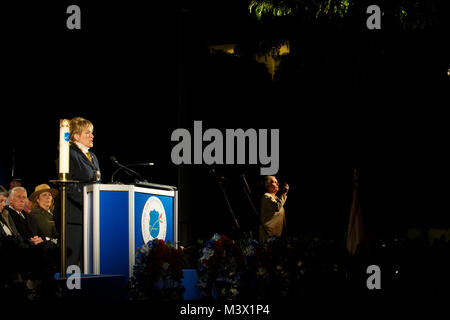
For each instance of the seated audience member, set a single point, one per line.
(7, 227)
(4, 228)
(41, 256)
(15, 182)
(3, 196)
(42, 201)
(28, 204)
(25, 224)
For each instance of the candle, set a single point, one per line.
(64, 151)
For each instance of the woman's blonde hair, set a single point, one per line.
(77, 125)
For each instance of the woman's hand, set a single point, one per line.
(285, 188)
(36, 240)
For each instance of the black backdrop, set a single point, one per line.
(356, 98)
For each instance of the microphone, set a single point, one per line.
(113, 159)
(141, 164)
(129, 171)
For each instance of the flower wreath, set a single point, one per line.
(157, 272)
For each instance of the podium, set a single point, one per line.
(119, 219)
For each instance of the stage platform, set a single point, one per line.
(115, 287)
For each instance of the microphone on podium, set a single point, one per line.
(114, 160)
(141, 164)
(129, 171)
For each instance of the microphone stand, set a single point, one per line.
(236, 226)
(128, 170)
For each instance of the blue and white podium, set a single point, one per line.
(118, 219)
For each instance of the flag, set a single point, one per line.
(355, 232)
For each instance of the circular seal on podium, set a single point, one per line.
(153, 220)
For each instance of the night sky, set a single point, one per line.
(343, 99)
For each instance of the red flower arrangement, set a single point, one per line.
(157, 272)
(220, 268)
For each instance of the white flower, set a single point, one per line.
(234, 292)
(207, 253)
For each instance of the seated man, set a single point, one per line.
(5, 220)
(7, 226)
(26, 226)
(40, 257)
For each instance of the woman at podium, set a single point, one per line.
(84, 167)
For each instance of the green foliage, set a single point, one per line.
(314, 8)
(418, 14)
(406, 14)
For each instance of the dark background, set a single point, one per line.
(344, 97)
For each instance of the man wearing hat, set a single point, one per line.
(42, 203)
